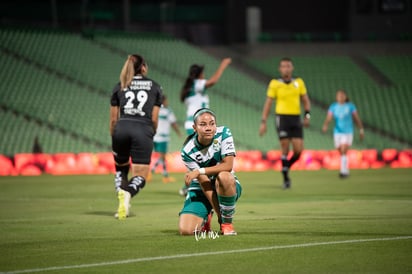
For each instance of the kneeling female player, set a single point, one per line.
(209, 156)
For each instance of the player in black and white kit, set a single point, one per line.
(134, 112)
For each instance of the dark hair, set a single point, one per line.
(344, 91)
(194, 73)
(201, 111)
(188, 138)
(286, 59)
(138, 63)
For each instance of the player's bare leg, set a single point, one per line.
(189, 223)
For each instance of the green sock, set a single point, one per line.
(227, 207)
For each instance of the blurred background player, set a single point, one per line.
(194, 94)
(288, 91)
(209, 155)
(134, 111)
(161, 140)
(344, 113)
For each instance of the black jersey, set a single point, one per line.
(136, 102)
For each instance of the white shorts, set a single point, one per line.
(343, 139)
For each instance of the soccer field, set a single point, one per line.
(65, 224)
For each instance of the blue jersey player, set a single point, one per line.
(344, 113)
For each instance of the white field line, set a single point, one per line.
(223, 252)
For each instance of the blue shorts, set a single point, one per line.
(197, 204)
(160, 147)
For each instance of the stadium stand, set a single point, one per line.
(57, 87)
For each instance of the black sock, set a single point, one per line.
(135, 185)
(293, 159)
(124, 171)
(285, 167)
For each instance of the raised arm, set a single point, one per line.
(218, 73)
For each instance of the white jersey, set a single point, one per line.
(195, 155)
(195, 100)
(166, 119)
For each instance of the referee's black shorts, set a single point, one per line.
(132, 139)
(289, 126)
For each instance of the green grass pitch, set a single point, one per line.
(65, 225)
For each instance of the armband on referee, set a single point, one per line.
(307, 114)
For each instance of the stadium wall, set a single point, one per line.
(29, 164)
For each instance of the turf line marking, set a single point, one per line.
(179, 256)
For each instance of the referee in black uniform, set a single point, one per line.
(134, 111)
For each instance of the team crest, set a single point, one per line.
(216, 145)
(296, 84)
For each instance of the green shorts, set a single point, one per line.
(197, 204)
(160, 147)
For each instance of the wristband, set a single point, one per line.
(263, 121)
(307, 114)
(361, 131)
(202, 171)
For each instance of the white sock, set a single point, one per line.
(344, 167)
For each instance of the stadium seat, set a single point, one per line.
(370, 155)
(389, 154)
(30, 170)
(174, 162)
(105, 159)
(313, 165)
(86, 163)
(65, 164)
(404, 159)
(331, 161)
(23, 159)
(273, 155)
(243, 163)
(261, 165)
(377, 165)
(6, 166)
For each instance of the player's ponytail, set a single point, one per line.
(194, 73)
(131, 67)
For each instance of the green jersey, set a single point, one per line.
(195, 155)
